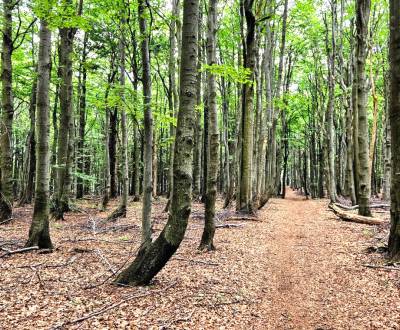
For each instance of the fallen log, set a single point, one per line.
(355, 207)
(347, 216)
(230, 225)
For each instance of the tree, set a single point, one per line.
(363, 8)
(152, 258)
(213, 135)
(39, 234)
(65, 139)
(244, 200)
(7, 115)
(394, 113)
(148, 126)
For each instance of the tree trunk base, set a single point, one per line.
(5, 211)
(120, 212)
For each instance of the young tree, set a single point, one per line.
(213, 135)
(394, 113)
(152, 258)
(39, 234)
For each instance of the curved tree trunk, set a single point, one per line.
(152, 258)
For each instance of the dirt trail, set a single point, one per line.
(315, 273)
(299, 267)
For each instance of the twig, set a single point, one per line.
(230, 225)
(109, 307)
(9, 252)
(5, 221)
(105, 261)
(196, 261)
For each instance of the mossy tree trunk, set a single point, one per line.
(152, 258)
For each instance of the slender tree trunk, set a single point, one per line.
(30, 159)
(122, 207)
(39, 234)
(66, 126)
(394, 113)
(7, 116)
(387, 165)
(152, 258)
(82, 121)
(148, 126)
(207, 240)
(362, 19)
(173, 94)
(244, 201)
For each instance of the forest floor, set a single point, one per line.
(296, 267)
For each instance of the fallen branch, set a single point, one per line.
(230, 225)
(196, 261)
(109, 307)
(382, 267)
(355, 207)
(6, 221)
(9, 252)
(347, 216)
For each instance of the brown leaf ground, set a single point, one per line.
(297, 268)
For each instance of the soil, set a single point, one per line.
(297, 267)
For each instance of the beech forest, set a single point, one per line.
(200, 164)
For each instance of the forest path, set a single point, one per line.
(298, 267)
(316, 279)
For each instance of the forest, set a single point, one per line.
(187, 164)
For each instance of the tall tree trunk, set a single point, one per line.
(362, 19)
(394, 113)
(82, 120)
(152, 258)
(148, 126)
(120, 211)
(207, 239)
(387, 165)
(30, 158)
(329, 121)
(244, 201)
(66, 127)
(7, 116)
(173, 93)
(39, 234)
